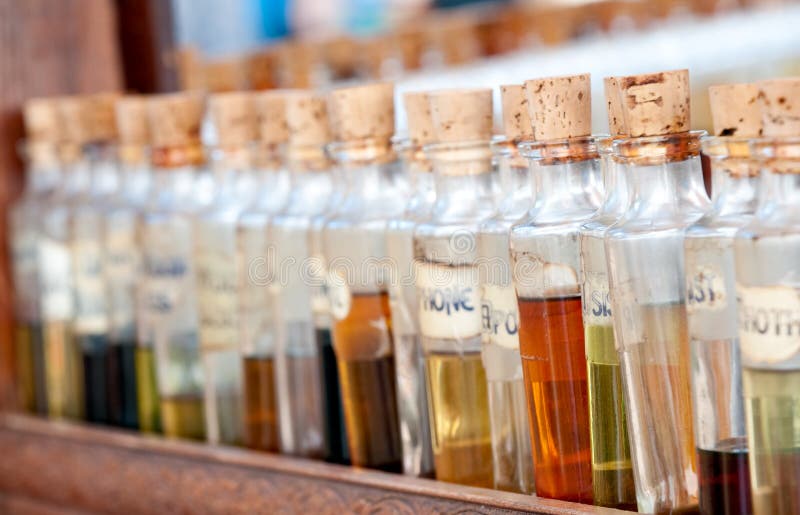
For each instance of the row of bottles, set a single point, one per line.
(547, 311)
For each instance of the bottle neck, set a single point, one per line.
(615, 186)
(561, 187)
(734, 194)
(104, 175)
(309, 191)
(42, 178)
(515, 191)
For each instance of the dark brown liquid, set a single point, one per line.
(336, 450)
(260, 404)
(122, 402)
(94, 349)
(724, 478)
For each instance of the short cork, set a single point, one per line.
(362, 112)
(560, 107)
(41, 120)
(174, 119)
(735, 110)
(516, 119)
(101, 116)
(307, 119)
(616, 121)
(461, 115)
(418, 114)
(233, 116)
(655, 104)
(780, 107)
(131, 115)
(73, 120)
(271, 112)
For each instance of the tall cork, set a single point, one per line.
(74, 124)
(735, 110)
(233, 116)
(41, 120)
(418, 113)
(461, 115)
(780, 107)
(132, 124)
(307, 119)
(175, 119)
(560, 107)
(362, 112)
(616, 119)
(101, 116)
(516, 119)
(655, 104)
(270, 109)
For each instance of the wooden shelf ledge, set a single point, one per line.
(58, 467)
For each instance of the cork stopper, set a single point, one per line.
(307, 119)
(656, 104)
(175, 119)
(780, 107)
(460, 115)
(271, 112)
(616, 121)
(233, 117)
(735, 110)
(418, 112)
(101, 116)
(516, 120)
(73, 120)
(132, 125)
(41, 120)
(560, 107)
(362, 112)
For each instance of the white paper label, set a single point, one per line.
(769, 323)
(217, 301)
(90, 299)
(339, 296)
(499, 313)
(121, 268)
(596, 299)
(705, 289)
(55, 267)
(449, 301)
(320, 305)
(168, 305)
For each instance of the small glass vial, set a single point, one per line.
(255, 257)
(661, 161)
(711, 307)
(546, 259)
(215, 252)
(122, 266)
(43, 175)
(767, 251)
(168, 325)
(297, 360)
(412, 396)
(511, 442)
(448, 289)
(612, 469)
(354, 244)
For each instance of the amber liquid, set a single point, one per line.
(182, 416)
(459, 405)
(554, 369)
(368, 383)
(336, 450)
(260, 404)
(121, 372)
(63, 371)
(29, 341)
(94, 349)
(147, 399)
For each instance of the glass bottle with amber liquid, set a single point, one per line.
(354, 245)
(511, 443)
(612, 469)
(167, 338)
(40, 151)
(711, 307)
(255, 274)
(661, 160)
(412, 396)
(546, 266)
(448, 289)
(767, 251)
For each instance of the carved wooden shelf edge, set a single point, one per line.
(51, 467)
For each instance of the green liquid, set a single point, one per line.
(147, 391)
(612, 472)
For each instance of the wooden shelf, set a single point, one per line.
(58, 467)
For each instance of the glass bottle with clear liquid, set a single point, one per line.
(412, 396)
(354, 245)
(43, 176)
(255, 274)
(167, 339)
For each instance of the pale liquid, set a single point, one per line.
(64, 372)
(222, 396)
(511, 443)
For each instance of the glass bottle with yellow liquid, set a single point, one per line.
(254, 276)
(767, 251)
(661, 161)
(354, 245)
(448, 288)
(167, 339)
(511, 443)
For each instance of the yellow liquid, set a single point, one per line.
(64, 372)
(182, 416)
(459, 406)
(147, 391)
(30, 367)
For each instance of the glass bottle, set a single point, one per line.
(122, 266)
(645, 262)
(43, 175)
(545, 255)
(255, 257)
(766, 255)
(448, 289)
(511, 443)
(711, 308)
(167, 340)
(215, 252)
(297, 360)
(612, 470)
(354, 244)
(412, 396)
